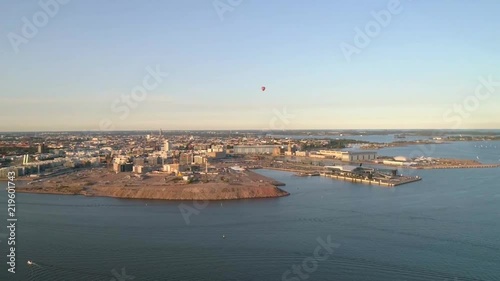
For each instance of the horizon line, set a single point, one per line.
(290, 130)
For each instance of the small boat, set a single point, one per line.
(30, 262)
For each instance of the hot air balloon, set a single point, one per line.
(263, 88)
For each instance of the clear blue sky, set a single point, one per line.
(91, 52)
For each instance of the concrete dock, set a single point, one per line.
(380, 182)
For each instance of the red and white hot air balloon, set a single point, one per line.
(263, 88)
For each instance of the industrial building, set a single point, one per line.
(350, 156)
(256, 149)
(358, 155)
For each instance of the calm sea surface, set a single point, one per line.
(445, 227)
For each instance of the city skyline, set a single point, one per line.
(205, 64)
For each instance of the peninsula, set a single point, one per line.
(228, 184)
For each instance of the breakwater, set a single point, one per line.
(478, 166)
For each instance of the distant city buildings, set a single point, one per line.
(150, 152)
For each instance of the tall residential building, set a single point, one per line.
(167, 146)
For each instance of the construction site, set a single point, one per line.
(215, 183)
